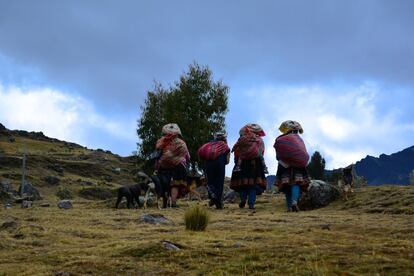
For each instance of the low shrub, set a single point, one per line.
(64, 193)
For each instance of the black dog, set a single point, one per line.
(159, 185)
(161, 188)
(132, 193)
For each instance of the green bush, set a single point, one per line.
(196, 219)
(64, 193)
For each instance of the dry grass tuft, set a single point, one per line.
(196, 218)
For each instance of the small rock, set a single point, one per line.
(27, 203)
(65, 204)
(155, 219)
(117, 170)
(9, 225)
(237, 245)
(45, 204)
(52, 180)
(62, 273)
(325, 226)
(12, 139)
(7, 206)
(170, 246)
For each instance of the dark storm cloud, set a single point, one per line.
(111, 51)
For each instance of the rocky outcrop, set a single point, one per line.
(319, 194)
(30, 191)
(6, 192)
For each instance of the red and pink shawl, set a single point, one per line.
(174, 151)
(291, 149)
(212, 150)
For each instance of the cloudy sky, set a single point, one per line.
(79, 70)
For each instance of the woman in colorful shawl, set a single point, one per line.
(173, 160)
(216, 155)
(292, 177)
(249, 180)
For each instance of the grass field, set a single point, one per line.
(342, 239)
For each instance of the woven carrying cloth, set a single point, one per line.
(212, 150)
(174, 151)
(291, 149)
(250, 146)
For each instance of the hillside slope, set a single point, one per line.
(52, 163)
(91, 238)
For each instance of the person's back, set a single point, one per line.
(173, 160)
(214, 168)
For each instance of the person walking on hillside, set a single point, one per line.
(173, 160)
(216, 154)
(292, 177)
(248, 177)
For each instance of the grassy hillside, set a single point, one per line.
(371, 234)
(94, 239)
(75, 166)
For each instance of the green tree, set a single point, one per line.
(196, 102)
(316, 167)
(412, 177)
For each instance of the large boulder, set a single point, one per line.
(202, 190)
(6, 192)
(30, 191)
(6, 186)
(231, 196)
(319, 194)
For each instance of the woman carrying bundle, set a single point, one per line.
(173, 160)
(248, 177)
(216, 155)
(292, 177)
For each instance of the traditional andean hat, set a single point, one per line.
(290, 125)
(171, 129)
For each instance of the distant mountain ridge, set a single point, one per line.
(387, 169)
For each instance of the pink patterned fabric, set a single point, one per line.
(212, 150)
(249, 146)
(291, 149)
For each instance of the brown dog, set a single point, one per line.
(346, 182)
(193, 182)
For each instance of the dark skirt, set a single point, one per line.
(179, 178)
(251, 175)
(286, 177)
(215, 171)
